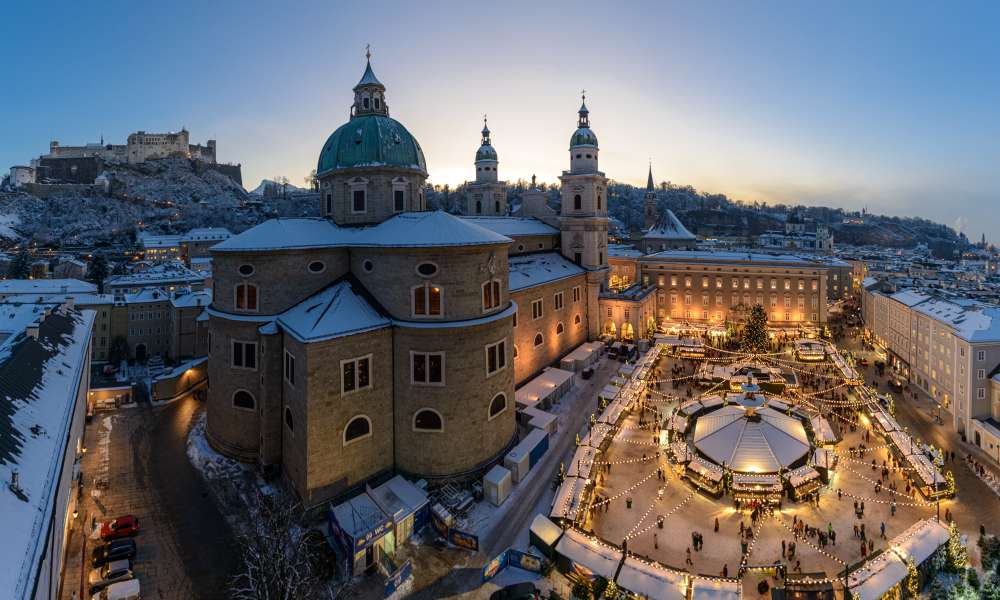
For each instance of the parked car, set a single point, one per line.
(123, 590)
(121, 527)
(114, 550)
(113, 572)
(517, 591)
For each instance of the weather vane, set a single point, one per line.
(583, 95)
(368, 51)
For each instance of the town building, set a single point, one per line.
(798, 236)
(44, 381)
(139, 147)
(167, 275)
(487, 195)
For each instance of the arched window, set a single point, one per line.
(515, 351)
(244, 399)
(560, 329)
(427, 419)
(576, 320)
(377, 104)
(538, 340)
(598, 202)
(577, 202)
(288, 419)
(496, 206)
(246, 296)
(364, 101)
(479, 207)
(358, 428)
(498, 405)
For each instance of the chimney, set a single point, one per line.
(32, 330)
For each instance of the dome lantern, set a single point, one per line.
(369, 93)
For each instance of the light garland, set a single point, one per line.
(634, 534)
(808, 541)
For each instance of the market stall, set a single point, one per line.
(705, 475)
(803, 482)
(586, 557)
(652, 581)
(764, 488)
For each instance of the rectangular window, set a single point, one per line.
(427, 301)
(329, 202)
(718, 283)
(788, 284)
(981, 393)
(558, 300)
(515, 319)
(815, 284)
(356, 374)
(576, 292)
(980, 374)
(358, 201)
(704, 282)
(704, 300)
(981, 355)
(244, 355)
(626, 314)
(802, 285)
(736, 283)
(399, 200)
(673, 280)
(289, 368)
(760, 284)
(536, 309)
(496, 357)
(491, 294)
(427, 368)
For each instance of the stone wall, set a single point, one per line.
(461, 273)
(469, 439)
(336, 194)
(524, 244)
(45, 190)
(531, 358)
(232, 430)
(69, 170)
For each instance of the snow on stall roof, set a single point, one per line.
(39, 381)
(715, 589)
(669, 227)
(514, 226)
(339, 310)
(359, 515)
(598, 558)
(46, 286)
(652, 581)
(529, 270)
(404, 230)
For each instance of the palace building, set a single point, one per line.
(386, 338)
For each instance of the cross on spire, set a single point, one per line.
(368, 52)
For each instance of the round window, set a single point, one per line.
(317, 266)
(427, 269)
(246, 270)
(368, 266)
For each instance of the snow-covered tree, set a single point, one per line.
(754, 339)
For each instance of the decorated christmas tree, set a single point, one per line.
(754, 339)
(958, 555)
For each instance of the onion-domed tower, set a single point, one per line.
(488, 195)
(371, 167)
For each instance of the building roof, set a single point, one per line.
(729, 436)
(404, 230)
(529, 270)
(192, 299)
(669, 227)
(206, 234)
(342, 309)
(38, 395)
(168, 272)
(909, 297)
(371, 141)
(971, 322)
(731, 257)
(46, 286)
(514, 226)
(623, 251)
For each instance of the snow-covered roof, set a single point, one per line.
(359, 515)
(193, 299)
(150, 240)
(669, 227)
(15, 316)
(729, 436)
(149, 294)
(623, 251)
(732, 257)
(971, 322)
(651, 581)
(168, 272)
(39, 379)
(514, 226)
(206, 234)
(909, 297)
(715, 589)
(404, 230)
(40, 287)
(339, 310)
(529, 270)
(597, 558)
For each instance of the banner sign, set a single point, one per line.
(496, 565)
(397, 580)
(463, 540)
(525, 561)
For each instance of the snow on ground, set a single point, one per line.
(7, 222)
(204, 458)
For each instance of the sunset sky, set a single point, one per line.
(888, 105)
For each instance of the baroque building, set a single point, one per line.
(386, 338)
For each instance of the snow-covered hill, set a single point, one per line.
(269, 187)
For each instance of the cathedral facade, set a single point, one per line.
(386, 338)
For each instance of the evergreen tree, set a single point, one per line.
(912, 580)
(754, 339)
(20, 267)
(958, 555)
(98, 272)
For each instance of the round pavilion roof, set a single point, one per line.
(751, 438)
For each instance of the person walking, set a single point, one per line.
(882, 528)
(687, 560)
(716, 524)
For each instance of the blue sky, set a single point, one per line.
(888, 105)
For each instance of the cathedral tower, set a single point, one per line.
(487, 196)
(649, 202)
(584, 221)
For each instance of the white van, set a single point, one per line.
(123, 590)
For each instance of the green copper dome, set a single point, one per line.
(486, 152)
(583, 137)
(371, 141)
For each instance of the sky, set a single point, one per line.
(891, 106)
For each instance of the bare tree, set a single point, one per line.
(312, 181)
(275, 562)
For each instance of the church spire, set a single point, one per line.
(369, 93)
(486, 133)
(584, 113)
(649, 180)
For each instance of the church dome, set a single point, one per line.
(583, 137)
(371, 141)
(486, 152)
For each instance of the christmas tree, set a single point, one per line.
(754, 339)
(958, 555)
(912, 580)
